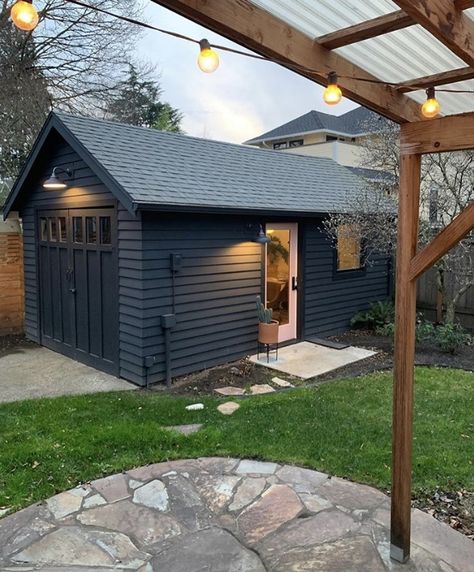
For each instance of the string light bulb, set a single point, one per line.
(431, 106)
(24, 15)
(332, 95)
(208, 59)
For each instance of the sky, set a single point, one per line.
(240, 100)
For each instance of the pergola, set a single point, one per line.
(416, 43)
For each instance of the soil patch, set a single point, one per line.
(14, 344)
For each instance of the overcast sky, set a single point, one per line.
(241, 100)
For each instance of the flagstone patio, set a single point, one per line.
(222, 515)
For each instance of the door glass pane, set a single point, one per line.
(278, 274)
(105, 230)
(62, 229)
(53, 229)
(44, 228)
(77, 229)
(91, 230)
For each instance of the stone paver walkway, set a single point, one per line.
(222, 515)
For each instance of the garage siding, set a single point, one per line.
(215, 291)
(330, 298)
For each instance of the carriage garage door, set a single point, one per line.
(78, 285)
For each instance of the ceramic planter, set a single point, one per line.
(268, 333)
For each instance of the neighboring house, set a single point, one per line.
(319, 134)
(154, 224)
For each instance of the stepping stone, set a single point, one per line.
(228, 408)
(230, 390)
(93, 501)
(302, 480)
(153, 495)
(261, 388)
(277, 505)
(281, 382)
(185, 429)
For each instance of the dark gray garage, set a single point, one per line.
(128, 230)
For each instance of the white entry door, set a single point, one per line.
(281, 276)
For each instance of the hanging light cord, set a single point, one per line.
(293, 66)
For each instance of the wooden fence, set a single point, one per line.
(427, 301)
(11, 278)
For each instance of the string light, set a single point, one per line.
(431, 106)
(26, 18)
(332, 95)
(24, 15)
(208, 59)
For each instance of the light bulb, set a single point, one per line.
(208, 59)
(332, 95)
(24, 15)
(431, 106)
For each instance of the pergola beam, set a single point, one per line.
(446, 22)
(455, 231)
(451, 133)
(260, 31)
(443, 78)
(366, 30)
(375, 27)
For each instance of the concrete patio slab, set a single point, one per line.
(32, 372)
(306, 360)
(217, 514)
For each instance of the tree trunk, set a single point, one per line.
(450, 313)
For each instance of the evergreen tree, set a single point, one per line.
(138, 103)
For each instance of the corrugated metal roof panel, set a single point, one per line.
(399, 56)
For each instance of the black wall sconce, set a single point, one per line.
(261, 237)
(55, 182)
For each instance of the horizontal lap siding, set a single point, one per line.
(215, 292)
(330, 301)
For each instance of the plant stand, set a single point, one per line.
(267, 349)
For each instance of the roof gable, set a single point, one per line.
(149, 169)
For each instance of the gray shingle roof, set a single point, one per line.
(353, 122)
(166, 169)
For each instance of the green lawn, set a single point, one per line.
(342, 428)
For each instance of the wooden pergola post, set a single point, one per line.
(439, 135)
(404, 356)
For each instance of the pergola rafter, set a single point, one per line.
(266, 27)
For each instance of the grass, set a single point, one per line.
(342, 428)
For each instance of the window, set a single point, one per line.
(44, 229)
(281, 145)
(62, 229)
(296, 143)
(91, 230)
(53, 230)
(77, 233)
(348, 247)
(105, 230)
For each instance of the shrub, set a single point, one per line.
(378, 315)
(451, 337)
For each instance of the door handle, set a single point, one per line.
(294, 283)
(72, 290)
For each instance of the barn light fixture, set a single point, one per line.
(208, 59)
(55, 183)
(24, 15)
(261, 237)
(431, 107)
(332, 95)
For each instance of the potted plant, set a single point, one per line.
(267, 328)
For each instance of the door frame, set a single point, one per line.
(112, 368)
(288, 331)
